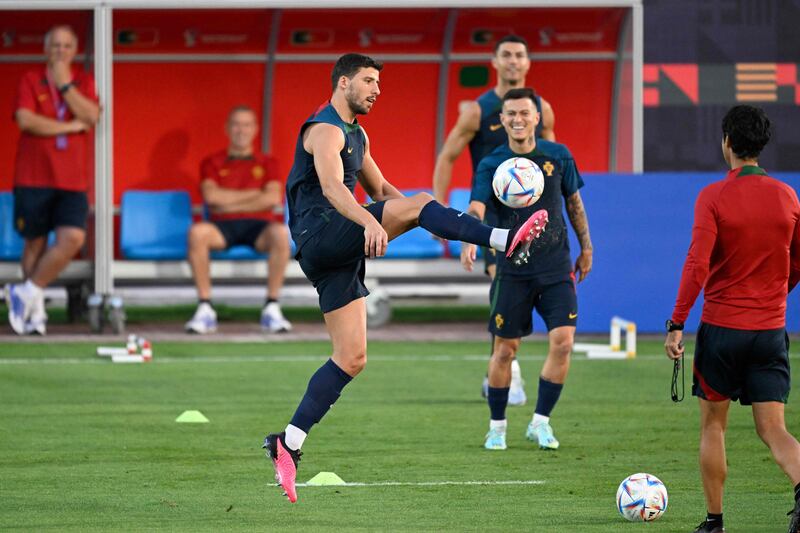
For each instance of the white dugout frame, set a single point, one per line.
(103, 61)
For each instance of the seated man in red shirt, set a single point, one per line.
(244, 196)
(55, 108)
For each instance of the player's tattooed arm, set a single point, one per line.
(577, 217)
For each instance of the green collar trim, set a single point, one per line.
(749, 170)
(351, 127)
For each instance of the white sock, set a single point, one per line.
(498, 424)
(32, 289)
(295, 437)
(498, 239)
(540, 419)
(516, 374)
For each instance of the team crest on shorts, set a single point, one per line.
(20, 223)
(498, 321)
(548, 168)
(224, 172)
(258, 172)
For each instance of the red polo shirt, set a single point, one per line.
(40, 163)
(242, 174)
(745, 252)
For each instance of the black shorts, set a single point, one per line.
(749, 366)
(243, 231)
(39, 210)
(333, 259)
(513, 302)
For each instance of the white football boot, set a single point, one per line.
(203, 321)
(516, 393)
(21, 303)
(272, 319)
(37, 324)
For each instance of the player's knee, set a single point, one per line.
(198, 235)
(713, 424)
(769, 430)
(504, 351)
(354, 361)
(562, 347)
(422, 199)
(279, 239)
(70, 239)
(561, 344)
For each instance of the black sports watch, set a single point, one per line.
(673, 326)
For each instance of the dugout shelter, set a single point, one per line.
(167, 73)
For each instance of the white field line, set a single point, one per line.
(94, 360)
(428, 483)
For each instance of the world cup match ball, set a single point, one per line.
(641, 498)
(518, 182)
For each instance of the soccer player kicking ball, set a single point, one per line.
(334, 235)
(745, 256)
(547, 283)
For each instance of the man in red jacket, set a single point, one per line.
(745, 255)
(55, 108)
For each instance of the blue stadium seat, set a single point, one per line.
(154, 224)
(10, 242)
(459, 199)
(238, 252)
(415, 244)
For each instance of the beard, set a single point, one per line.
(358, 108)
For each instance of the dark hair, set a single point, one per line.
(748, 130)
(520, 93)
(349, 65)
(510, 39)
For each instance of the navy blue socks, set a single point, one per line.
(498, 400)
(548, 396)
(714, 520)
(323, 390)
(453, 225)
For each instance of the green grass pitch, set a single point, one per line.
(86, 445)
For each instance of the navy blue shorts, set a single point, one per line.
(243, 231)
(513, 302)
(39, 210)
(745, 365)
(333, 259)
